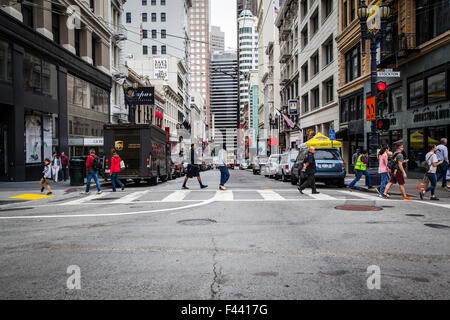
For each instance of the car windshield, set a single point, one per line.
(263, 160)
(327, 155)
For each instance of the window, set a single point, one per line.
(153, 2)
(144, 17)
(5, 62)
(154, 50)
(327, 7)
(328, 52)
(415, 93)
(77, 41)
(153, 34)
(144, 34)
(329, 87)
(436, 88)
(315, 98)
(163, 17)
(315, 23)
(128, 17)
(144, 2)
(352, 64)
(305, 103)
(94, 50)
(305, 36)
(431, 19)
(304, 8)
(395, 99)
(153, 17)
(163, 2)
(315, 62)
(344, 14)
(163, 50)
(352, 10)
(39, 76)
(305, 73)
(27, 14)
(145, 50)
(163, 33)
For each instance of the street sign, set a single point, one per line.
(388, 73)
(293, 109)
(370, 109)
(332, 134)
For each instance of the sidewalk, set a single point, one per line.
(411, 188)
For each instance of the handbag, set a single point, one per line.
(423, 183)
(122, 164)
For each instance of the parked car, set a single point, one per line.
(272, 165)
(329, 163)
(259, 163)
(179, 170)
(286, 164)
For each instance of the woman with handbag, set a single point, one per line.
(116, 165)
(431, 164)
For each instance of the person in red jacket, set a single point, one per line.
(91, 173)
(115, 169)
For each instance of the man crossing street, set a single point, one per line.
(309, 170)
(361, 169)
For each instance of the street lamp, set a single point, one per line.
(375, 36)
(129, 94)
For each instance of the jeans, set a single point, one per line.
(385, 177)
(224, 175)
(442, 173)
(89, 176)
(64, 172)
(433, 180)
(55, 171)
(359, 174)
(114, 180)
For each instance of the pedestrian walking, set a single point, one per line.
(442, 155)
(116, 162)
(93, 166)
(383, 169)
(224, 172)
(308, 171)
(396, 165)
(64, 165)
(431, 164)
(361, 169)
(46, 176)
(355, 157)
(56, 165)
(193, 169)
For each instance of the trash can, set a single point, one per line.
(77, 171)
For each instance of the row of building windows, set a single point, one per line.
(154, 34)
(154, 50)
(311, 101)
(327, 51)
(145, 17)
(153, 2)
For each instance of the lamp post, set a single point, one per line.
(375, 36)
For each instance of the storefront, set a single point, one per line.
(34, 100)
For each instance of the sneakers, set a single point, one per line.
(386, 196)
(184, 187)
(42, 189)
(84, 192)
(99, 192)
(203, 186)
(315, 192)
(421, 193)
(407, 198)
(349, 189)
(123, 187)
(434, 198)
(222, 188)
(49, 193)
(300, 190)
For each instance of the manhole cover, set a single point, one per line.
(414, 215)
(196, 222)
(16, 209)
(437, 226)
(358, 208)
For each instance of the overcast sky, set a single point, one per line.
(223, 14)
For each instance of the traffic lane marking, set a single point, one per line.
(31, 196)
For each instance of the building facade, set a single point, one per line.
(242, 5)
(199, 25)
(217, 39)
(418, 101)
(248, 54)
(55, 83)
(224, 98)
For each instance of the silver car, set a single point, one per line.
(259, 164)
(272, 165)
(287, 162)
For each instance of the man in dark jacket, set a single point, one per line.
(64, 164)
(309, 170)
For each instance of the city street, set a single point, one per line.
(260, 239)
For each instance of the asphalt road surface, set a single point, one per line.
(260, 239)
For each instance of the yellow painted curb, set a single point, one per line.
(29, 196)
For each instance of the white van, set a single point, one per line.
(287, 162)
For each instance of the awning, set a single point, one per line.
(321, 141)
(342, 134)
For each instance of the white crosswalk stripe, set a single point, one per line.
(176, 196)
(131, 197)
(82, 200)
(360, 195)
(270, 195)
(321, 196)
(224, 195)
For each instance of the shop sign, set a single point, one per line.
(293, 109)
(431, 115)
(161, 69)
(93, 141)
(141, 96)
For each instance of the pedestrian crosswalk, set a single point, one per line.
(243, 195)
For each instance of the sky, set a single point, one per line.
(223, 15)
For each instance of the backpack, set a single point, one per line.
(392, 163)
(425, 165)
(97, 164)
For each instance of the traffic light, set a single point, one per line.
(382, 97)
(383, 124)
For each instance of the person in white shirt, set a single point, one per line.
(432, 163)
(442, 155)
(224, 172)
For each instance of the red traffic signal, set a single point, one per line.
(382, 86)
(383, 124)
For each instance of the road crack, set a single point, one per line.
(215, 285)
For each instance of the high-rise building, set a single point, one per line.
(217, 39)
(224, 97)
(242, 5)
(199, 17)
(248, 54)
